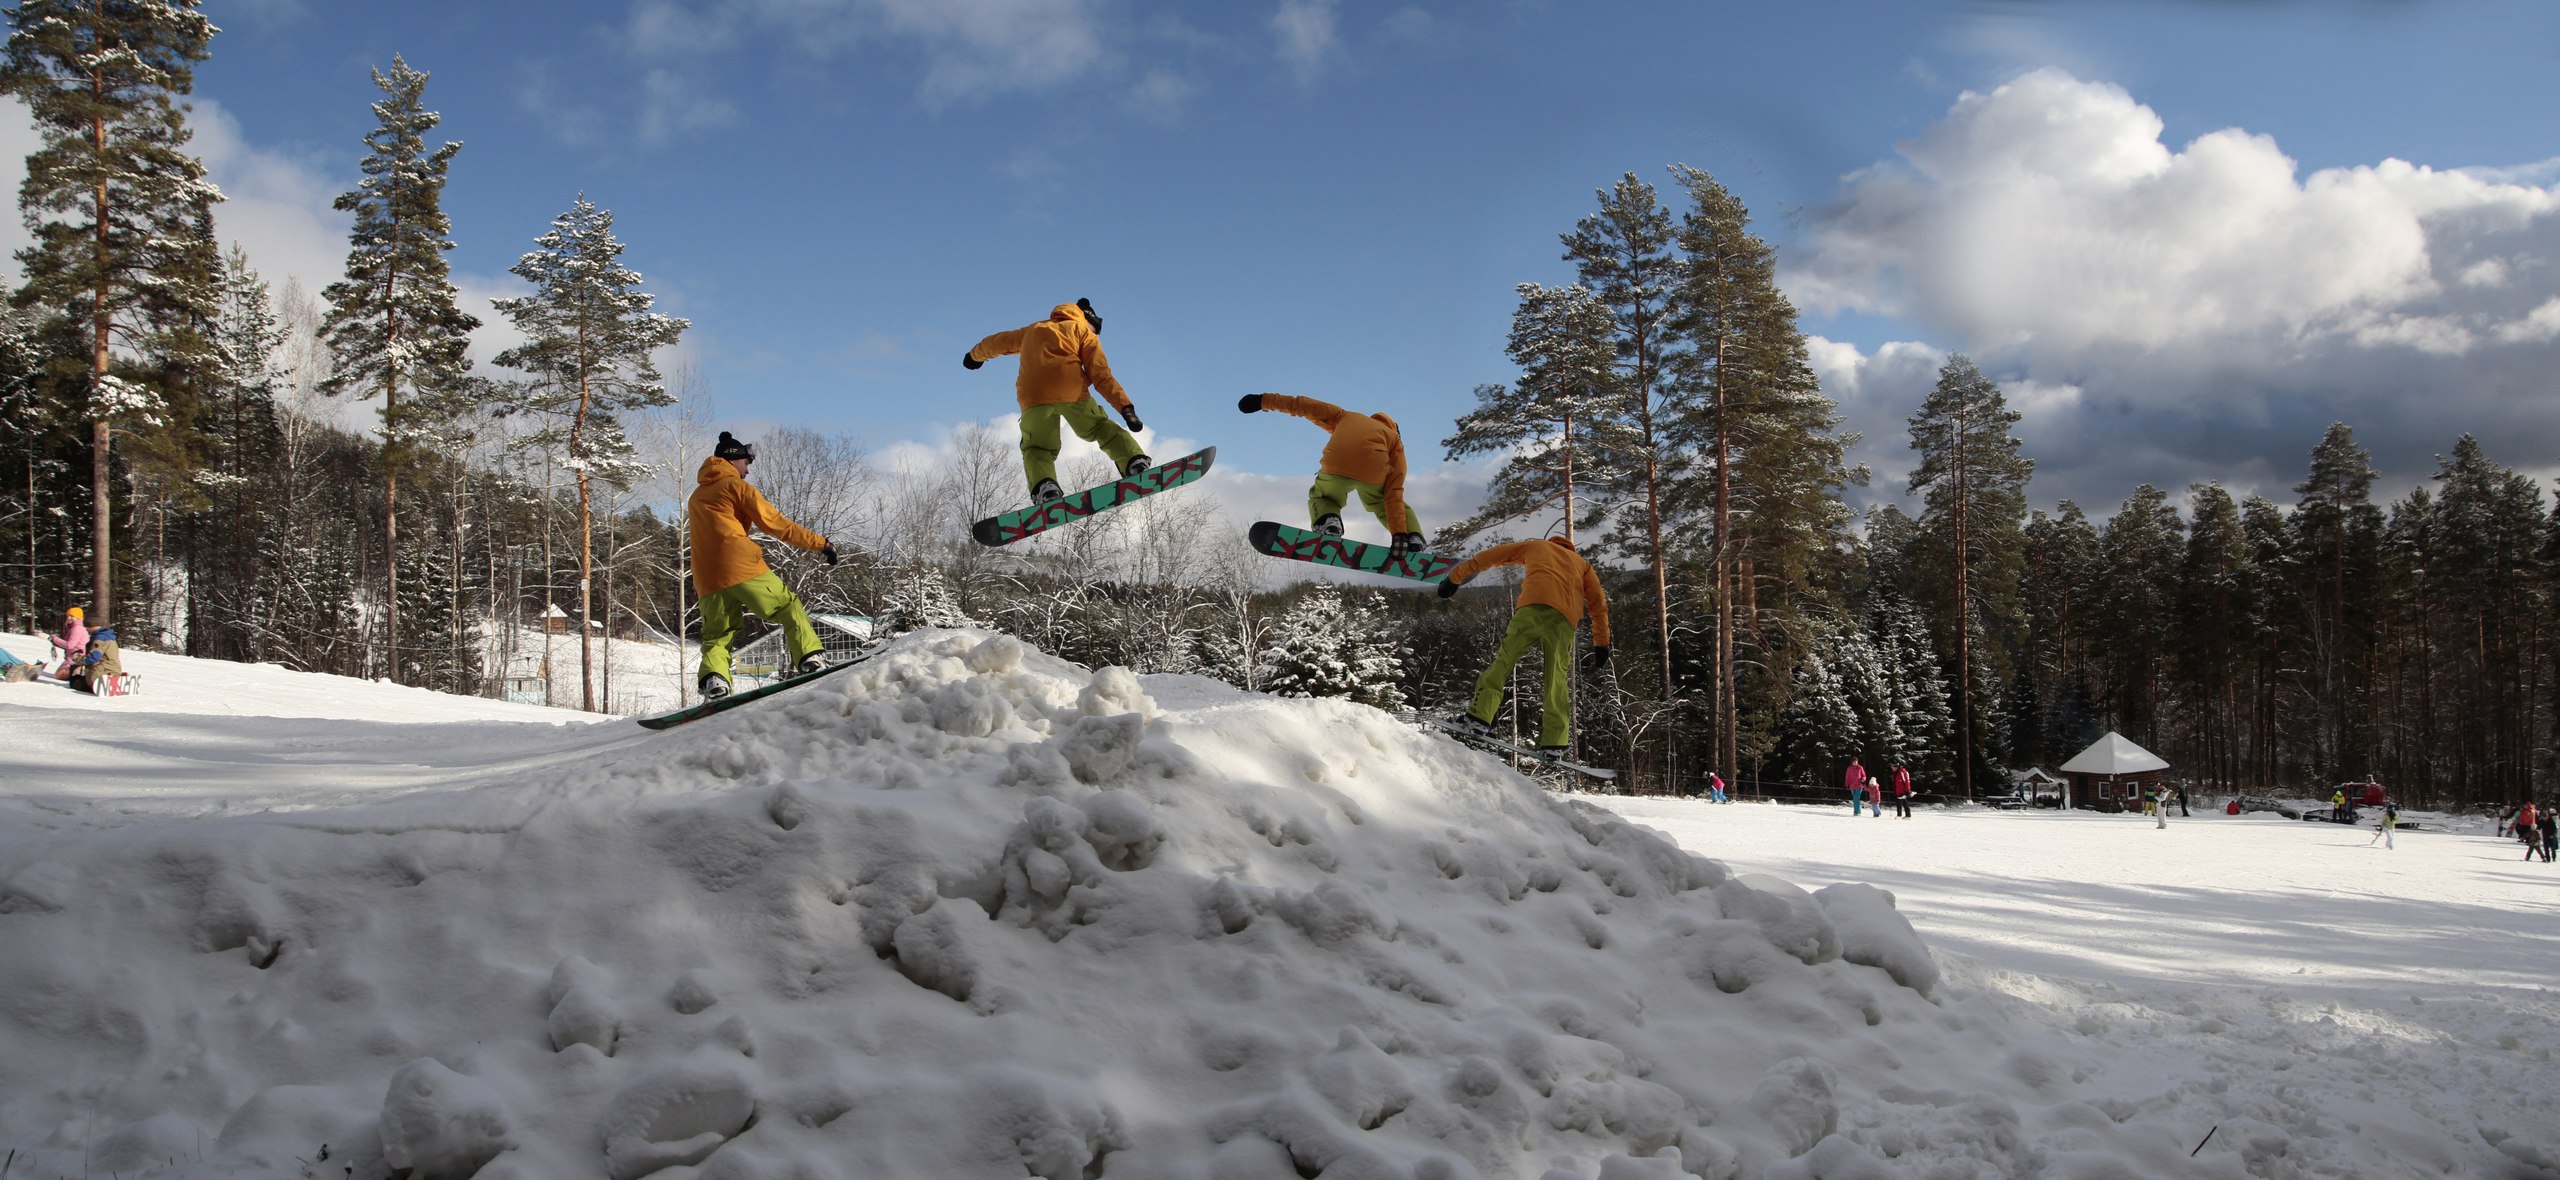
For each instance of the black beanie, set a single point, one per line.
(1090, 316)
(730, 448)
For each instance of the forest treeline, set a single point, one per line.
(182, 457)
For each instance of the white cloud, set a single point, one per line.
(971, 49)
(673, 106)
(276, 205)
(1307, 36)
(1162, 95)
(2171, 313)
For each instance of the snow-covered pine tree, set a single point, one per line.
(1861, 669)
(394, 328)
(589, 336)
(1332, 645)
(1918, 687)
(1820, 729)
(119, 208)
(920, 596)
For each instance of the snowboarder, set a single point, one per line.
(1715, 788)
(1558, 587)
(13, 669)
(72, 644)
(1902, 791)
(2382, 830)
(1364, 456)
(2338, 812)
(2548, 823)
(2528, 829)
(729, 572)
(1061, 356)
(1856, 780)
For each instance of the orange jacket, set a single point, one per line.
(1558, 577)
(722, 511)
(1060, 356)
(1365, 447)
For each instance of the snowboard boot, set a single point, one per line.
(1552, 753)
(1047, 491)
(713, 687)
(1468, 725)
(1330, 524)
(1136, 464)
(809, 663)
(1404, 545)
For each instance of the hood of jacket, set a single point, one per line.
(1568, 545)
(715, 469)
(1067, 313)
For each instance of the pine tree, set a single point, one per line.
(2217, 596)
(118, 206)
(241, 436)
(393, 327)
(2144, 543)
(1623, 254)
(1330, 645)
(1550, 424)
(1819, 728)
(1748, 405)
(1974, 483)
(1916, 687)
(589, 339)
(2336, 531)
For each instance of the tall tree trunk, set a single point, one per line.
(1964, 614)
(586, 536)
(1728, 751)
(101, 438)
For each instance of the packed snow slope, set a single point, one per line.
(972, 911)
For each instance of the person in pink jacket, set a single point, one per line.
(73, 643)
(1856, 781)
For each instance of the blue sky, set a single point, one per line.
(1336, 199)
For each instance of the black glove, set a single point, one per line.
(969, 360)
(1596, 659)
(1404, 543)
(1448, 589)
(829, 553)
(1129, 414)
(1250, 403)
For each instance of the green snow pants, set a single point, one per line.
(765, 597)
(1332, 491)
(1543, 627)
(1091, 423)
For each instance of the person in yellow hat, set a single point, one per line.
(729, 571)
(1364, 457)
(1559, 587)
(1061, 358)
(73, 643)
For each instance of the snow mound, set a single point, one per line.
(972, 911)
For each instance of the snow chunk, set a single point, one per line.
(582, 1017)
(996, 656)
(677, 1114)
(1787, 916)
(1112, 691)
(1796, 1098)
(441, 1125)
(1875, 934)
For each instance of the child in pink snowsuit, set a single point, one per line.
(73, 643)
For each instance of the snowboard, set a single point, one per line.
(1493, 745)
(733, 700)
(1297, 544)
(1039, 518)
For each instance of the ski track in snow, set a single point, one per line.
(972, 911)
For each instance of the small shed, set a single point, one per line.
(2109, 773)
(555, 621)
(2038, 785)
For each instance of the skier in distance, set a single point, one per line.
(1363, 456)
(729, 572)
(1061, 356)
(1558, 587)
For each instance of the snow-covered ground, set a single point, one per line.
(970, 911)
